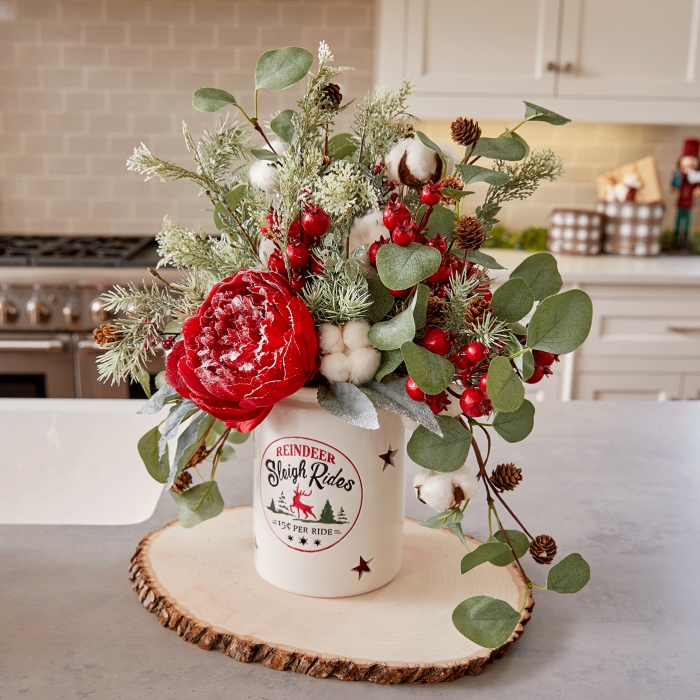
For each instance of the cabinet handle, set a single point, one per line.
(41, 345)
(684, 329)
(553, 67)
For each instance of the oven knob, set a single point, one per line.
(71, 312)
(98, 313)
(38, 311)
(8, 311)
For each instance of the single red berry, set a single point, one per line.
(438, 402)
(298, 281)
(403, 235)
(442, 274)
(439, 243)
(398, 292)
(270, 219)
(276, 262)
(430, 195)
(470, 398)
(438, 341)
(456, 264)
(298, 253)
(317, 266)
(461, 360)
(167, 342)
(477, 352)
(294, 230)
(537, 375)
(487, 295)
(396, 214)
(483, 381)
(374, 249)
(414, 391)
(315, 221)
(544, 359)
(420, 238)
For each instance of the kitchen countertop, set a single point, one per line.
(618, 482)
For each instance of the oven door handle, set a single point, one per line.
(55, 345)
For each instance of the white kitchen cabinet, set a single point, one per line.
(593, 60)
(647, 386)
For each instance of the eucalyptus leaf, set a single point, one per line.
(264, 154)
(420, 305)
(159, 399)
(144, 379)
(392, 334)
(476, 173)
(391, 396)
(440, 520)
(432, 373)
(520, 543)
(561, 323)
(500, 148)
(347, 402)
(456, 528)
(517, 328)
(391, 359)
(480, 258)
(516, 425)
(382, 300)
(233, 199)
(503, 386)
(488, 622)
(522, 141)
(227, 453)
(441, 454)
(512, 300)
(341, 146)
(199, 503)
(158, 467)
(570, 575)
(541, 274)
(535, 113)
(442, 220)
(188, 443)
(168, 430)
(209, 99)
(457, 195)
(430, 144)
(400, 267)
(281, 68)
(482, 554)
(283, 126)
(525, 363)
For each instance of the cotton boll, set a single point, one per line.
(466, 481)
(330, 339)
(355, 335)
(450, 157)
(420, 478)
(263, 174)
(393, 158)
(420, 160)
(367, 229)
(437, 491)
(335, 367)
(279, 146)
(265, 249)
(363, 364)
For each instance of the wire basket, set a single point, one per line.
(631, 228)
(575, 231)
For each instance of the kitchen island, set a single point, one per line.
(618, 482)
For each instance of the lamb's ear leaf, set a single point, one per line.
(347, 402)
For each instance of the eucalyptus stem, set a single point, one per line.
(519, 353)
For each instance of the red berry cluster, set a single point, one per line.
(301, 238)
(543, 365)
(471, 362)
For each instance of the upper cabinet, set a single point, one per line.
(593, 60)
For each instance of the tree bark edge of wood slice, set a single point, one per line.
(247, 649)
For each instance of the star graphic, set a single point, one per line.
(388, 457)
(362, 567)
(290, 538)
(317, 543)
(303, 540)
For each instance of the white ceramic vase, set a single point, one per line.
(328, 500)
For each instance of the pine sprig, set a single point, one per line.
(525, 177)
(219, 147)
(460, 293)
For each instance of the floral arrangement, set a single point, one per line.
(351, 262)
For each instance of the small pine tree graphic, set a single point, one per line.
(341, 518)
(282, 504)
(327, 514)
(272, 506)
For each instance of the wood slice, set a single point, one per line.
(202, 583)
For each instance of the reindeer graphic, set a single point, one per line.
(300, 507)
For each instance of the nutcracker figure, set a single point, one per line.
(685, 181)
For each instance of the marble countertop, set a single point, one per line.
(618, 482)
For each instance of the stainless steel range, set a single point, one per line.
(49, 306)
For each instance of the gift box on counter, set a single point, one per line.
(575, 231)
(632, 228)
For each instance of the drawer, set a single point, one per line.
(628, 387)
(644, 327)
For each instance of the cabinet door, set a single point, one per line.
(627, 387)
(480, 47)
(691, 387)
(618, 48)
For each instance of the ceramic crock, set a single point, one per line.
(328, 503)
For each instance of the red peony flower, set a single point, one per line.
(250, 344)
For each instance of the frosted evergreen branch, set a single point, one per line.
(460, 292)
(219, 147)
(525, 177)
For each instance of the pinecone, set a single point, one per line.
(505, 477)
(465, 132)
(435, 313)
(543, 549)
(182, 483)
(469, 233)
(105, 334)
(450, 183)
(333, 96)
(478, 308)
(198, 457)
